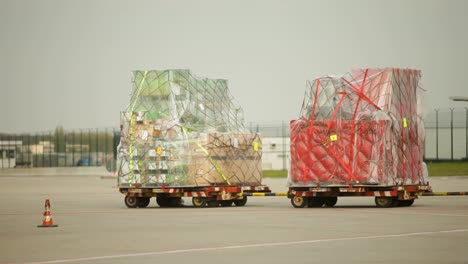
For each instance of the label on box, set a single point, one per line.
(144, 134)
(152, 153)
(152, 166)
(139, 116)
(255, 146)
(162, 178)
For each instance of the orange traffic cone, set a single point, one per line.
(47, 220)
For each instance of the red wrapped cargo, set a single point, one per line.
(363, 128)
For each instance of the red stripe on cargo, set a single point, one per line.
(361, 94)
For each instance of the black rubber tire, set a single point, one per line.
(330, 201)
(163, 201)
(226, 203)
(241, 202)
(131, 201)
(199, 202)
(213, 203)
(143, 202)
(299, 201)
(315, 202)
(175, 201)
(383, 202)
(405, 203)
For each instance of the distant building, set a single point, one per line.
(275, 154)
(76, 148)
(42, 147)
(8, 153)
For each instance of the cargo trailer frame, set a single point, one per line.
(385, 196)
(202, 196)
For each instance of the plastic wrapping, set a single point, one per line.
(226, 158)
(363, 128)
(180, 130)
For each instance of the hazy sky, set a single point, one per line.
(69, 62)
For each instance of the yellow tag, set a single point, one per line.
(255, 146)
(333, 137)
(404, 122)
(159, 150)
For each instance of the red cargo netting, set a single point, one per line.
(363, 128)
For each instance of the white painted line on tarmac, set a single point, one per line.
(387, 211)
(191, 250)
(220, 210)
(456, 215)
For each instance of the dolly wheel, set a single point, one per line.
(396, 202)
(241, 202)
(330, 201)
(315, 202)
(199, 201)
(163, 201)
(213, 203)
(131, 201)
(143, 202)
(406, 202)
(225, 203)
(298, 201)
(175, 201)
(383, 202)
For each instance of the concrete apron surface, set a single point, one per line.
(57, 171)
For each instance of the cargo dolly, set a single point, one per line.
(303, 196)
(202, 196)
(385, 196)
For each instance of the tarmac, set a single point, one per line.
(94, 226)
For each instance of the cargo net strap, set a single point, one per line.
(164, 132)
(363, 128)
(234, 157)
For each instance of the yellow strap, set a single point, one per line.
(209, 158)
(139, 90)
(255, 146)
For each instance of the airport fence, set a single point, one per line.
(60, 148)
(446, 139)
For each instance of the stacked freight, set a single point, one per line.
(237, 158)
(183, 136)
(361, 130)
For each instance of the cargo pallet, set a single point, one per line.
(327, 196)
(211, 196)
